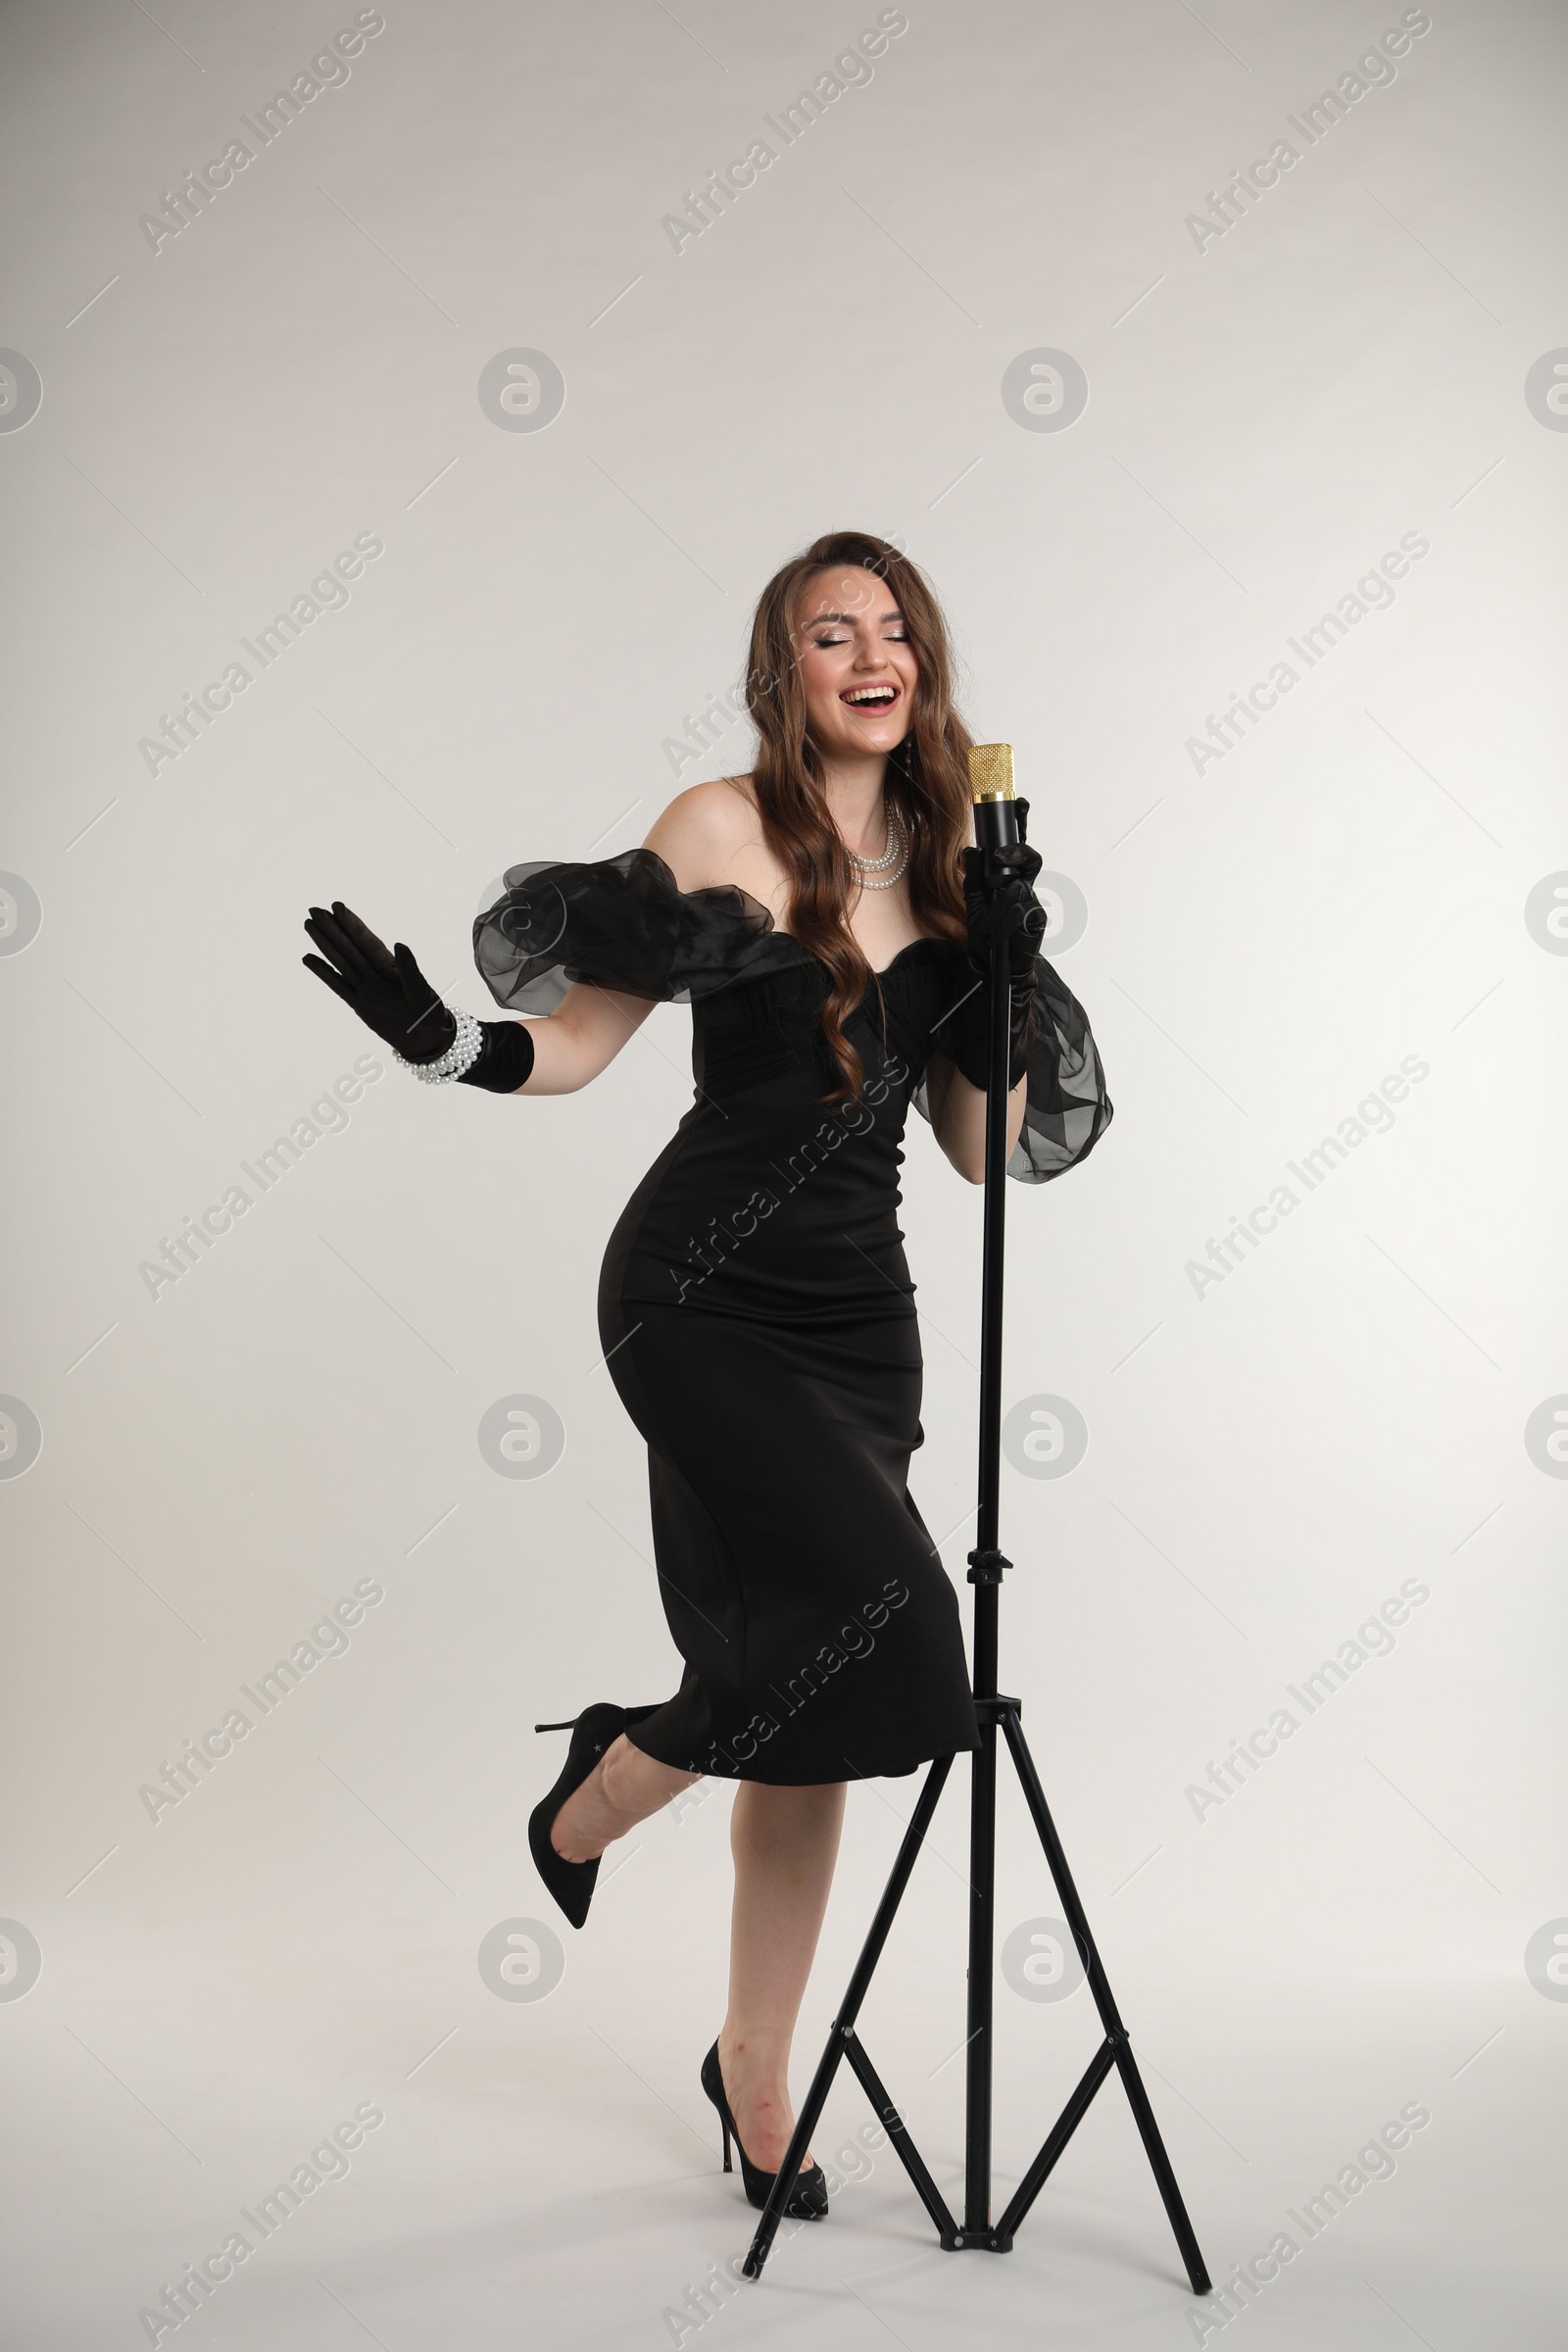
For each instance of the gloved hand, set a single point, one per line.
(392, 995)
(1012, 913)
(388, 990)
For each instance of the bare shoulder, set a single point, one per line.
(705, 831)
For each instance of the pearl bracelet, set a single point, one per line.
(462, 1052)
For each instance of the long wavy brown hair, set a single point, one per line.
(927, 779)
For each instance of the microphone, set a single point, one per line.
(999, 824)
(996, 810)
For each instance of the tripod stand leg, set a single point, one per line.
(1160, 2165)
(849, 2010)
(1116, 2037)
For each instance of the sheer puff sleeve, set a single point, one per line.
(1066, 1108)
(620, 923)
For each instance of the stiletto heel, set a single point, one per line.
(808, 2202)
(592, 1732)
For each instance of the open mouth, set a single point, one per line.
(870, 698)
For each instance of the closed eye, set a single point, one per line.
(897, 636)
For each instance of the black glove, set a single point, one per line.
(1010, 912)
(392, 995)
(388, 991)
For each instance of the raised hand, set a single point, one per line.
(384, 986)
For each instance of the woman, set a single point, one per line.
(829, 927)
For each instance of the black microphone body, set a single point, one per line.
(996, 825)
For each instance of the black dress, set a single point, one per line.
(757, 1315)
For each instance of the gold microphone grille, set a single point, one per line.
(991, 772)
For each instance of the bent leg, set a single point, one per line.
(785, 1841)
(623, 1788)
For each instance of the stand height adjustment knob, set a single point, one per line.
(988, 1567)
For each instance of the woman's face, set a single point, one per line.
(858, 668)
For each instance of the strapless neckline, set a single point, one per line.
(927, 939)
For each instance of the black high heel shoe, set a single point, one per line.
(808, 2201)
(594, 1731)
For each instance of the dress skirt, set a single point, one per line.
(820, 1631)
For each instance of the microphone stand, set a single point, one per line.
(997, 816)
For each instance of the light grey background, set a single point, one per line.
(1269, 411)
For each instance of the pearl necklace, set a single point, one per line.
(895, 857)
